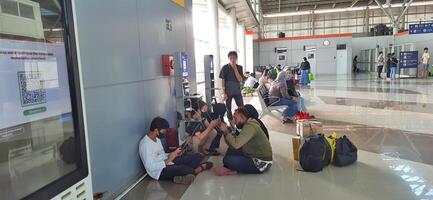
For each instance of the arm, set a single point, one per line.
(237, 73)
(209, 128)
(284, 93)
(246, 134)
(150, 159)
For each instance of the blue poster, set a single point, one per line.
(408, 59)
(184, 64)
(421, 28)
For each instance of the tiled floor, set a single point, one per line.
(390, 122)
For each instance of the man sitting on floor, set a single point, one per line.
(250, 151)
(200, 133)
(176, 166)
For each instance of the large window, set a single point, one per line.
(42, 147)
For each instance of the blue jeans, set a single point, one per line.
(236, 160)
(301, 104)
(292, 107)
(304, 77)
(393, 72)
(183, 165)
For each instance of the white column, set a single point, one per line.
(244, 48)
(233, 29)
(214, 41)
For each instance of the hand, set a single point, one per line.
(225, 97)
(214, 123)
(295, 99)
(223, 127)
(174, 154)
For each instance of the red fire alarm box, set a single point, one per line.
(167, 65)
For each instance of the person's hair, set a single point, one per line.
(200, 105)
(426, 49)
(265, 72)
(193, 112)
(232, 53)
(305, 59)
(381, 52)
(158, 123)
(392, 54)
(243, 111)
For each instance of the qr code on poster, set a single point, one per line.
(32, 89)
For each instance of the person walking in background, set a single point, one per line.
(388, 66)
(355, 64)
(380, 63)
(305, 71)
(231, 76)
(425, 59)
(394, 63)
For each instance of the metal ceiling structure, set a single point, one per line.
(244, 12)
(277, 6)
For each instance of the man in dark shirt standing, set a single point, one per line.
(232, 75)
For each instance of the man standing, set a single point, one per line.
(232, 75)
(380, 63)
(425, 63)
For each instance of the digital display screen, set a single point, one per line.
(38, 129)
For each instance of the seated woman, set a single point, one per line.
(279, 89)
(292, 92)
(264, 79)
(200, 136)
(176, 166)
(250, 151)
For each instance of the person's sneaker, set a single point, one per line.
(185, 180)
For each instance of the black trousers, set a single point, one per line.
(379, 70)
(239, 102)
(236, 160)
(388, 72)
(183, 165)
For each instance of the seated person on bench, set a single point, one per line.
(200, 136)
(176, 166)
(250, 151)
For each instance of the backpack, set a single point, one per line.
(345, 152)
(315, 153)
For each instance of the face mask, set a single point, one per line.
(239, 126)
(162, 133)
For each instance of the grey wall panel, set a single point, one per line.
(115, 122)
(121, 43)
(108, 39)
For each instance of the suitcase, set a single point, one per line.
(172, 138)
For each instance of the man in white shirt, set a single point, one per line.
(380, 64)
(425, 63)
(176, 166)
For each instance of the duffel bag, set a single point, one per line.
(345, 152)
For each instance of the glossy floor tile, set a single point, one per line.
(374, 176)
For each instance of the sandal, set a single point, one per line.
(206, 166)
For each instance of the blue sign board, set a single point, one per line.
(421, 28)
(408, 59)
(184, 64)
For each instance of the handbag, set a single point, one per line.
(311, 76)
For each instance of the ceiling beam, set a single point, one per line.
(353, 3)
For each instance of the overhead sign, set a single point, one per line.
(408, 59)
(421, 28)
(179, 2)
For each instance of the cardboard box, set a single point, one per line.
(304, 128)
(296, 142)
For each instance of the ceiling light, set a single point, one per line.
(288, 14)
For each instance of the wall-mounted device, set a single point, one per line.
(43, 138)
(167, 65)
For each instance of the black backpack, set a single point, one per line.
(345, 152)
(315, 153)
